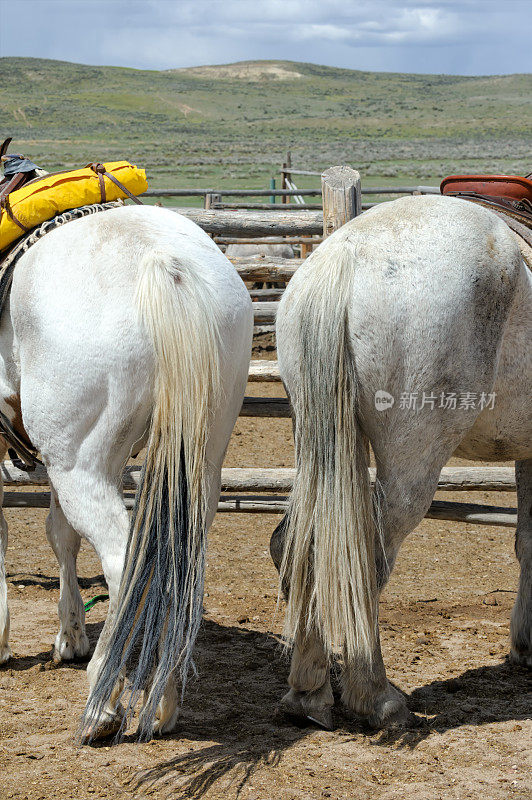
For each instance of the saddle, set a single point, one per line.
(19, 172)
(508, 196)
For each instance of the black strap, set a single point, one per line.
(28, 454)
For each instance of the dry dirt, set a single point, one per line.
(445, 636)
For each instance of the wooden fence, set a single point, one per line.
(341, 195)
(217, 198)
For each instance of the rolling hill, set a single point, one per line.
(230, 125)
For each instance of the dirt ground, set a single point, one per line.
(444, 623)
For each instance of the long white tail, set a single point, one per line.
(331, 527)
(161, 592)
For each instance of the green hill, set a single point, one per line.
(231, 125)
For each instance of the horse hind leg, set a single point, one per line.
(407, 490)
(310, 695)
(168, 709)
(93, 505)
(71, 640)
(521, 622)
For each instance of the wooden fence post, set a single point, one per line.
(342, 199)
(286, 174)
(306, 249)
(211, 198)
(272, 196)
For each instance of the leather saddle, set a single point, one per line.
(509, 196)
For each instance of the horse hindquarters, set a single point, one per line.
(413, 326)
(89, 380)
(331, 532)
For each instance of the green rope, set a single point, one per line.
(98, 599)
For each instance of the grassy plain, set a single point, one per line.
(230, 126)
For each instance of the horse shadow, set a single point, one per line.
(231, 721)
(493, 693)
(50, 582)
(235, 701)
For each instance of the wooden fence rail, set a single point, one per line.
(439, 509)
(279, 479)
(264, 311)
(260, 268)
(256, 223)
(275, 480)
(285, 192)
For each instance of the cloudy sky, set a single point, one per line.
(470, 37)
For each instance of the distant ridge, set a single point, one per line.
(246, 70)
(234, 122)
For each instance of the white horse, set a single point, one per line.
(424, 298)
(125, 328)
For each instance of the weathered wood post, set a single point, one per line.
(272, 196)
(211, 198)
(286, 175)
(342, 199)
(306, 249)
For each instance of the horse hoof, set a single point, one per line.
(294, 705)
(107, 725)
(5, 654)
(323, 718)
(163, 729)
(393, 718)
(519, 658)
(66, 648)
(291, 705)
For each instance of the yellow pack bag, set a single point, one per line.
(46, 197)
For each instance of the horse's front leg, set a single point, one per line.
(71, 640)
(521, 624)
(310, 695)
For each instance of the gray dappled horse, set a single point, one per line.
(423, 297)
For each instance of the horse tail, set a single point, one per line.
(159, 607)
(332, 530)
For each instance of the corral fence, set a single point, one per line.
(292, 199)
(341, 201)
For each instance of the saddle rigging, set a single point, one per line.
(19, 173)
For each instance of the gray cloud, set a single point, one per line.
(468, 37)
